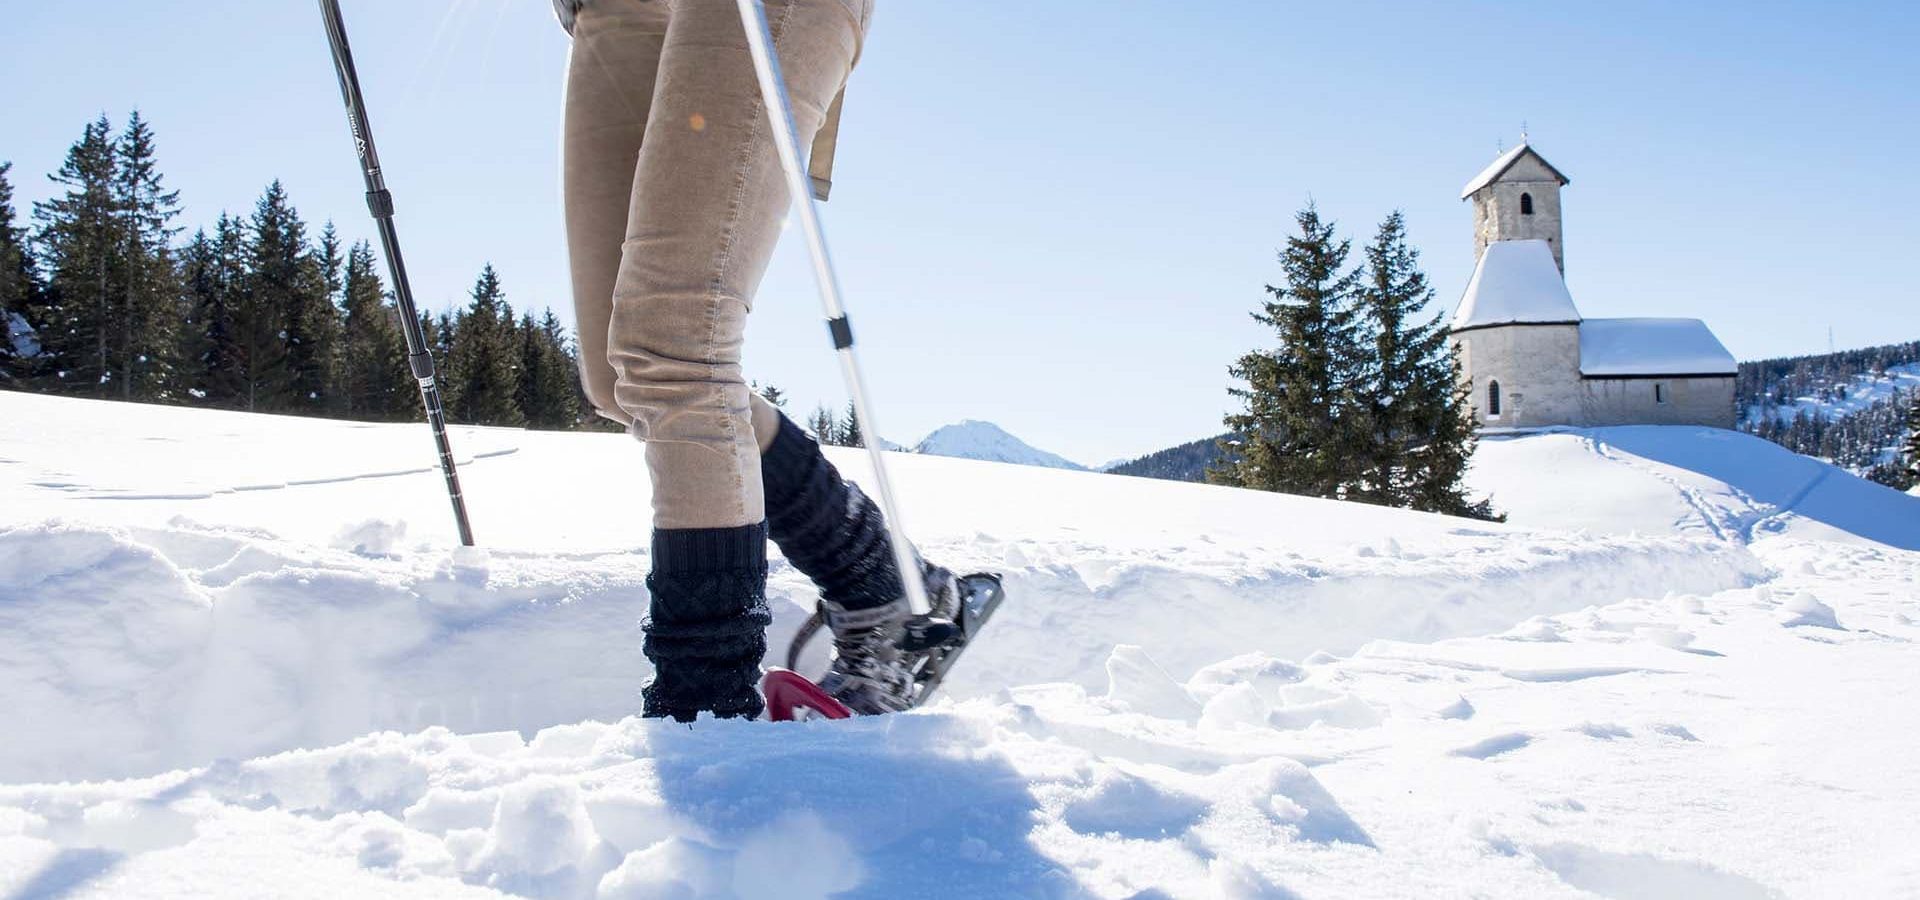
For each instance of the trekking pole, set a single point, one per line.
(380, 203)
(773, 91)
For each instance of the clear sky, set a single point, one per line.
(1056, 215)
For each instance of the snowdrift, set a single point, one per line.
(241, 655)
(237, 600)
(1665, 479)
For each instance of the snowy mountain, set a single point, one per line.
(240, 655)
(972, 439)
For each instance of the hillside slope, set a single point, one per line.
(1639, 686)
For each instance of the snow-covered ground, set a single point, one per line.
(240, 656)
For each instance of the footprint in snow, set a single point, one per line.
(1640, 875)
(1495, 746)
(1606, 731)
(1675, 731)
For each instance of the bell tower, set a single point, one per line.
(1517, 198)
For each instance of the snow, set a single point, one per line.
(1862, 392)
(1515, 281)
(242, 657)
(1610, 347)
(1709, 482)
(20, 336)
(1493, 170)
(973, 439)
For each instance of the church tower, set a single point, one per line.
(1517, 198)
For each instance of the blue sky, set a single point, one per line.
(1056, 215)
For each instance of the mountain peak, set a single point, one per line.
(975, 439)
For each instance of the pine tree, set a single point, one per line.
(1418, 420)
(825, 428)
(146, 311)
(288, 275)
(375, 382)
(484, 359)
(770, 394)
(19, 293)
(1438, 468)
(277, 277)
(78, 236)
(850, 434)
(1304, 419)
(546, 391)
(329, 272)
(214, 353)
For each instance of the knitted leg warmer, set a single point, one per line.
(707, 630)
(825, 526)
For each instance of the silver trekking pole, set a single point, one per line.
(773, 92)
(380, 203)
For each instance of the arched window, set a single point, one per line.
(1493, 398)
(1526, 204)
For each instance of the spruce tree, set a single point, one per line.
(276, 277)
(1418, 420)
(213, 350)
(547, 391)
(146, 315)
(825, 428)
(484, 359)
(329, 270)
(78, 235)
(375, 382)
(19, 294)
(770, 394)
(287, 274)
(1438, 468)
(850, 434)
(1303, 421)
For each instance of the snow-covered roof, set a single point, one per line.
(1500, 165)
(1516, 281)
(1622, 347)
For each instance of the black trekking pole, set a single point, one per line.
(380, 203)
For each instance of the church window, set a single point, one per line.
(1526, 204)
(1493, 399)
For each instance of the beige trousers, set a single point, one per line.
(674, 199)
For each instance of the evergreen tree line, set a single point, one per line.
(1826, 377)
(1868, 442)
(1360, 400)
(1187, 462)
(1881, 442)
(100, 301)
(842, 430)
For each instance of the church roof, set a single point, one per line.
(1616, 348)
(1500, 166)
(1516, 281)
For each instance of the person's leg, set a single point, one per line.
(824, 525)
(836, 535)
(705, 213)
(611, 72)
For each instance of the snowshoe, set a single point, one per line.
(929, 647)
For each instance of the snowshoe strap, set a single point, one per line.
(842, 620)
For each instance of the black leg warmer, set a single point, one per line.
(826, 527)
(708, 627)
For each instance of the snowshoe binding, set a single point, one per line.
(885, 660)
